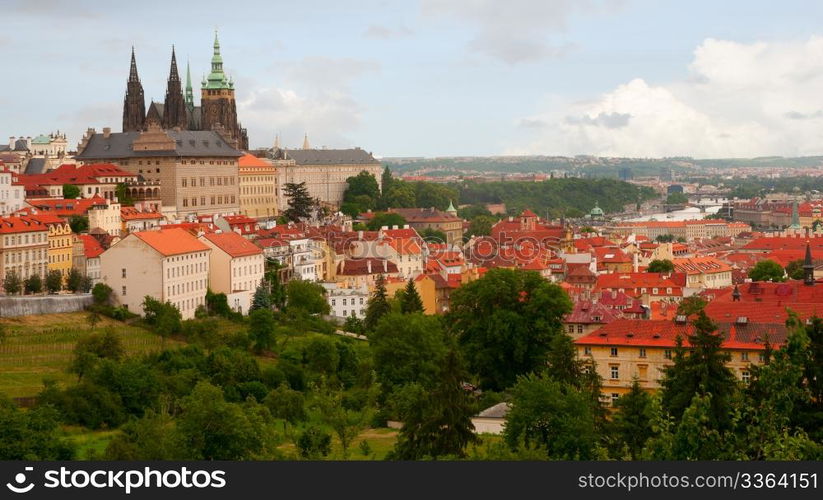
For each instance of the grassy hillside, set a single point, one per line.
(38, 347)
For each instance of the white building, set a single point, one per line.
(12, 195)
(236, 268)
(169, 265)
(106, 217)
(304, 259)
(345, 302)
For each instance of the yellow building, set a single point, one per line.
(60, 241)
(257, 179)
(425, 286)
(629, 348)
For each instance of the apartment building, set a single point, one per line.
(170, 265)
(24, 246)
(236, 268)
(257, 179)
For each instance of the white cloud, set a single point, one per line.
(740, 100)
(516, 31)
(381, 32)
(323, 107)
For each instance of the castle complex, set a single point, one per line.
(217, 104)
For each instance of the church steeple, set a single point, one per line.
(216, 79)
(189, 91)
(174, 107)
(808, 267)
(306, 142)
(134, 104)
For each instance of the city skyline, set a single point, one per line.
(436, 78)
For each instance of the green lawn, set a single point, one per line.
(38, 347)
(90, 444)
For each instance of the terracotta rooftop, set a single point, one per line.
(233, 244)
(169, 242)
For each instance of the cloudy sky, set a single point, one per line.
(442, 77)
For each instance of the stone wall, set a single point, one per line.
(48, 304)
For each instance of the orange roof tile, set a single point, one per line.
(170, 242)
(233, 244)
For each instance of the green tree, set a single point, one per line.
(411, 302)
(700, 371)
(677, 199)
(152, 437)
(660, 266)
(74, 281)
(432, 235)
(386, 180)
(101, 294)
(123, 196)
(407, 349)
(301, 204)
(691, 305)
(470, 212)
(261, 329)
(399, 195)
(441, 424)
(430, 194)
(362, 191)
(12, 284)
(78, 223)
(32, 434)
(54, 281)
(307, 296)
(213, 429)
(378, 304)
(70, 191)
(665, 238)
(164, 317)
(261, 299)
(505, 322)
(481, 225)
(94, 347)
(314, 443)
(33, 284)
(321, 356)
(556, 416)
(92, 318)
(387, 219)
(218, 304)
(794, 269)
(287, 404)
(633, 421)
(767, 270)
(345, 422)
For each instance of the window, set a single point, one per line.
(615, 397)
(642, 352)
(587, 351)
(333, 302)
(614, 371)
(185, 182)
(744, 356)
(579, 328)
(571, 328)
(124, 291)
(667, 354)
(761, 357)
(123, 272)
(614, 352)
(642, 372)
(746, 376)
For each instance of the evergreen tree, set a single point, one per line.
(633, 422)
(441, 425)
(378, 304)
(411, 301)
(12, 284)
(261, 299)
(386, 180)
(301, 204)
(700, 371)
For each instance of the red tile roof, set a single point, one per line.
(21, 224)
(91, 247)
(233, 244)
(170, 242)
(131, 213)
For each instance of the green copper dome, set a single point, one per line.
(596, 211)
(217, 79)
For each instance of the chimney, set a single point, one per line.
(385, 265)
(405, 226)
(28, 143)
(368, 265)
(360, 235)
(106, 132)
(11, 142)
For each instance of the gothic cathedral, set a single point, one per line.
(217, 108)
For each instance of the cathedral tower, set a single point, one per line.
(174, 107)
(134, 104)
(217, 101)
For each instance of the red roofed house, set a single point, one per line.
(649, 287)
(765, 302)
(628, 348)
(587, 316)
(704, 272)
(236, 268)
(98, 179)
(23, 246)
(86, 256)
(356, 273)
(170, 265)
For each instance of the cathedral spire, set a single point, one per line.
(808, 267)
(189, 92)
(306, 142)
(134, 104)
(174, 108)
